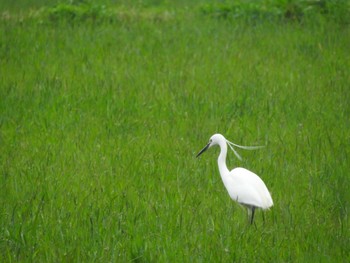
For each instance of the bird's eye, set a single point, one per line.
(210, 140)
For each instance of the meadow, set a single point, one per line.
(102, 115)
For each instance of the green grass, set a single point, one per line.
(100, 124)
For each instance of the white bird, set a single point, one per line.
(243, 186)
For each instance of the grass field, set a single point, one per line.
(100, 122)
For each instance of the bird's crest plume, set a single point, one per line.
(231, 145)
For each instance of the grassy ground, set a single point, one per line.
(100, 124)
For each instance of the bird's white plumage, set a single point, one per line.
(247, 188)
(243, 186)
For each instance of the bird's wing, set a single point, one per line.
(248, 188)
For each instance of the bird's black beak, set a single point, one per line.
(203, 150)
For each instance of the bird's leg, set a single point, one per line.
(249, 212)
(252, 216)
(263, 215)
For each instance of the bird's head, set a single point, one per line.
(216, 139)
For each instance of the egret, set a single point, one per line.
(243, 186)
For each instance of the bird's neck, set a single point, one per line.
(222, 159)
